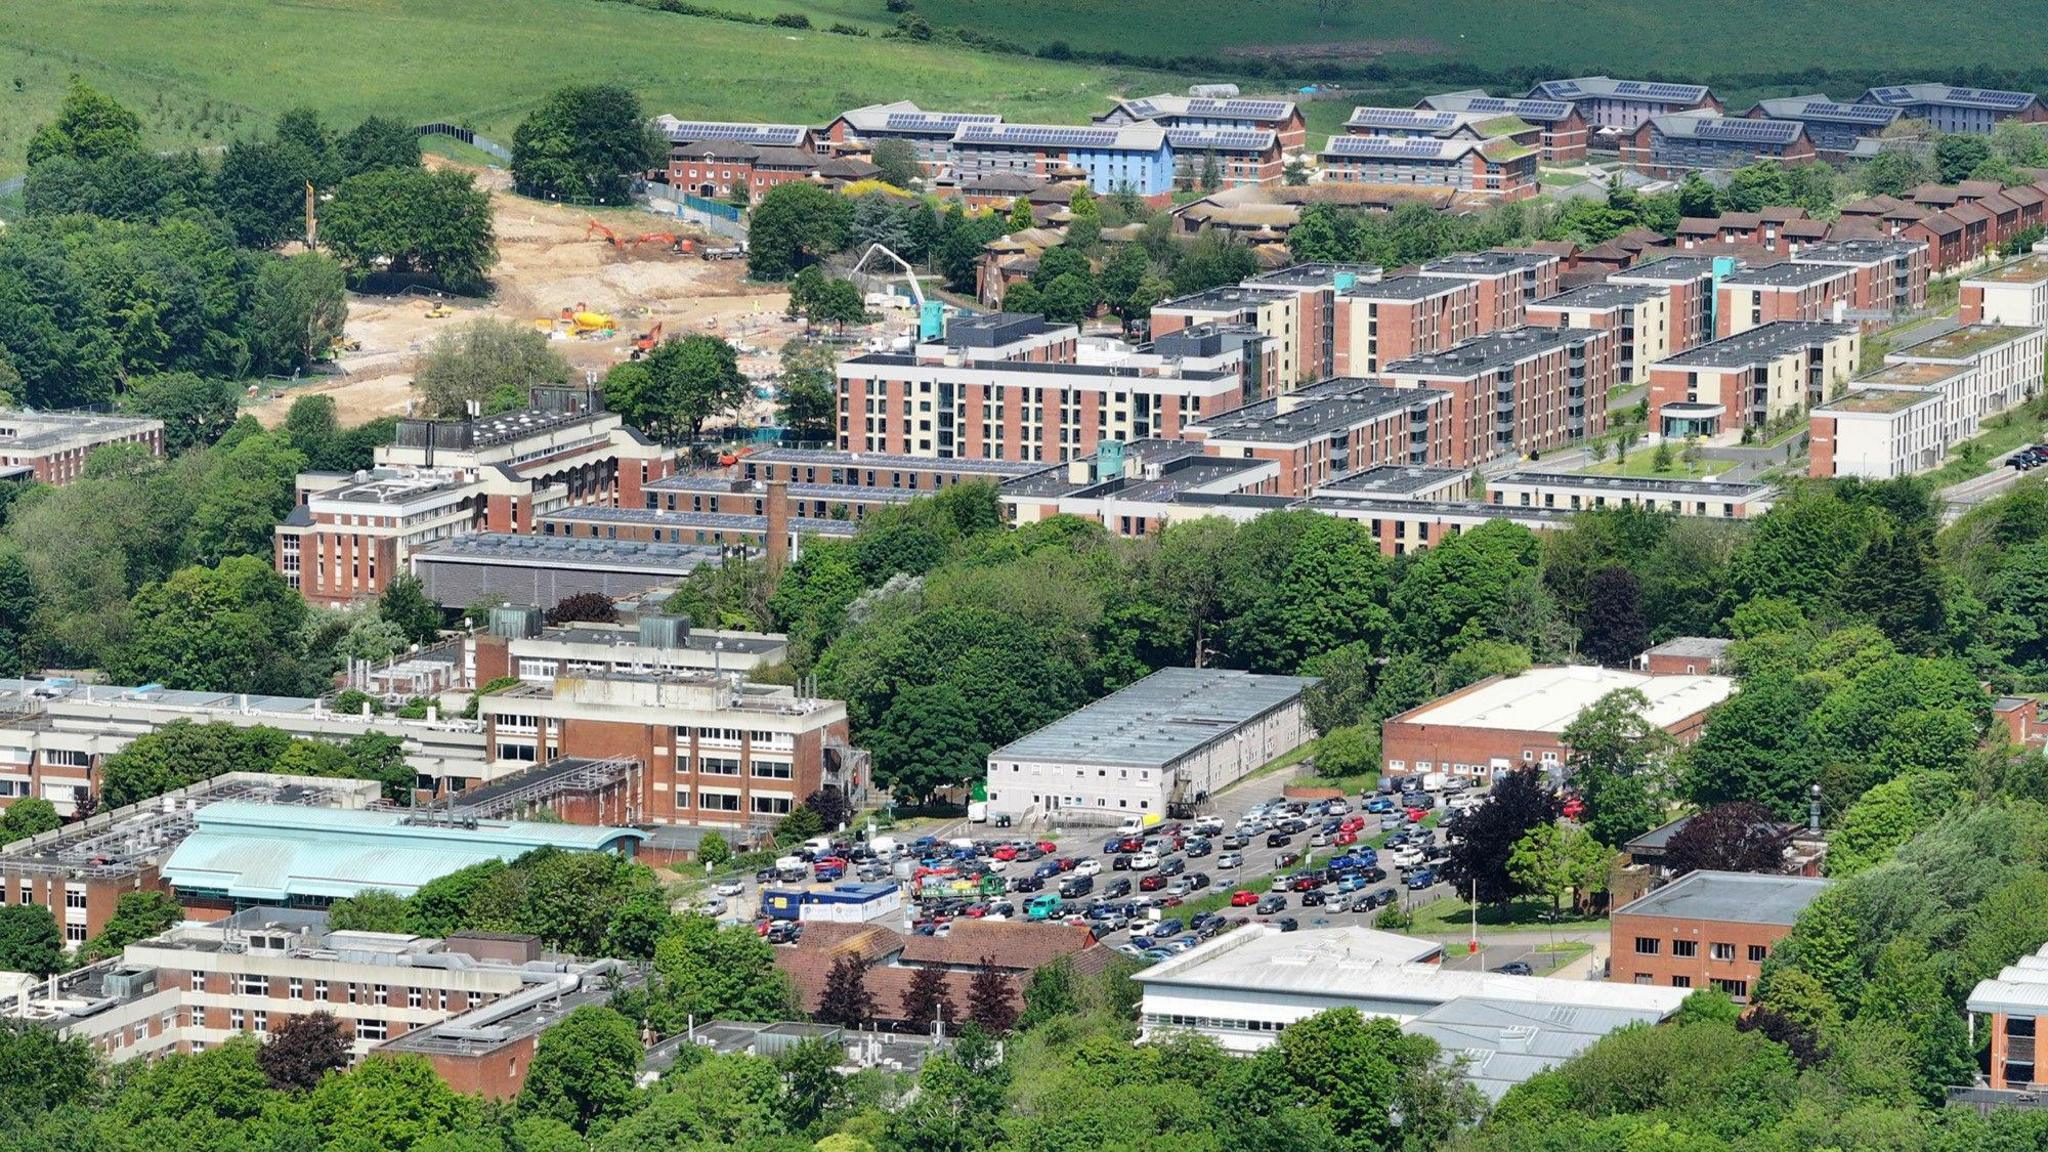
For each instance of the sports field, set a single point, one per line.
(205, 71)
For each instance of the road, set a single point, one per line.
(1967, 494)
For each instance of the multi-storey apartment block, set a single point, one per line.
(1889, 276)
(52, 447)
(1213, 158)
(1749, 380)
(1377, 324)
(1832, 127)
(1639, 315)
(1332, 428)
(350, 534)
(1890, 424)
(1280, 117)
(1993, 368)
(2014, 293)
(1519, 391)
(1605, 102)
(930, 134)
(1562, 128)
(1319, 287)
(1498, 168)
(1274, 311)
(1714, 499)
(1690, 282)
(1137, 156)
(1950, 109)
(872, 470)
(1753, 297)
(1670, 146)
(1508, 280)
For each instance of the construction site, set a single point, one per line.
(602, 283)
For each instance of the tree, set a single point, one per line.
(584, 607)
(794, 225)
(833, 809)
(28, 816)
(713, 851)
(1559, 860)
(248, 488)
(1615, 752)
(388, 1104)
(1052, 992)
(29, 940)
(302, 1049)
(707, 970)
(586, 143)
(137, 916)
(846, 1000)
(234, 627)
(926, 742)
(196, 410)
(1955, 157)
(583, 1069)
(297, 309)
(687, 381)
(409, 222)
(807, 395)
(991, 1002)
(927, 1001)
(371, 910)
(377, 143)
(1615, 629)
(1740, 836)
(1886, 817)
(1755, 746)
(404, 603)
(1478, 864)
(1897, 583)
(1350, 751)
(897, 160)
(1754, 187)
(491, 364)
(261, 186)
(88, 127)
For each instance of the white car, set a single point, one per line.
(1144, 861)
(1319, 840)
(1088, 867)
(1406, 856)
(714, 906)
(730, 888)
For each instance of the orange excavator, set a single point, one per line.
(674, 242)
(645, 342)
(618, 245)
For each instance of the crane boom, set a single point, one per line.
(931, 320)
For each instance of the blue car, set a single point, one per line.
(1047, 870)
(1111, 846)
(1351, 883)
(1380, 804)
(1422, 878)
(925, 842)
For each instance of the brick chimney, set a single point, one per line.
(778, 523)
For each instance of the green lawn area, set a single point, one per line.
(2001, 434)
(1451, 915)
(1642, 462)
(202, 72)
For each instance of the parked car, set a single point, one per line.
(1197, 880)
(1279, 839)
(1088, 867)
(1154, 882)
(1121, 862)
(1270, 904)
(1288, 924)
(1074, 887)
(730, 888)
(1026, 884)
(1144, 861)
(1121, 886)
(1230, 860)
(1312, 898)
(1421, 878)
(1243, 898)
(1516, 968)
(1197, 848)
(1172, 866)
(1234, 842)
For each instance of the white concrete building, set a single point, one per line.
(1716, 499)
(1878, 433)
(1244, 987)
(2014, 293)
(1180, 733)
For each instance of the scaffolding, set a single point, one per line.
(528, 789)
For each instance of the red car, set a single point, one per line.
(1048, 847)
(1343, 838)
(1153, 882)
(1243, 899)
(1415, 815)
(1131, 844)
(1069, 863)
(1351, 824)
(974, 911)
(1005, 853)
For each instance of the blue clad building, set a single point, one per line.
(1138, 156)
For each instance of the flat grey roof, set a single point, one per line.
(1759, 345)
(1790, 274)
(1218, 299)
(1712, 647)
(1408, 288)
(566, 552)
(1292, 418)
(1391, 478)
(696, 482)
(1394, 507)
(1730, 898)
(1856, 250)
(833, 458)
(1487, 263)
(1735, 488)
(1315, 273)
(1493, 350)
(1604, 295)
(1158, 720)
(727, 521)
(1666, 270)
(1506, 1042)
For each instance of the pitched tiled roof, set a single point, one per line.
(1871, 206)
(1940, 223)
(1971, 213)
(1014, 945)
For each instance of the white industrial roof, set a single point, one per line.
(1366, 964)
(1549, 699)
(1503, 1043)
(2021, 989)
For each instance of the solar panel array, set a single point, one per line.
(1759, 131)
(1249, 139)
(1248, 109)
(1658, 91)
(1859, 113)
(1893, 95)
(1990, 97)
(1561, 87)
(773, 135)
(1386, 147)
(1403, 118)
(1037, 136)
(936, 121)
(1533, 109)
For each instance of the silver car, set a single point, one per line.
(1230, 860)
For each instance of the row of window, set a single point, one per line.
(1652, 946)
(1736, 989)
(710, 801)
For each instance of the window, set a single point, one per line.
(772, 769)
(718, 765)
(74, 933)
(1757, 952)
(320, 990)
(296, 989)
(1643, 978)
(771, 805)
(237, 1020)
(412, 997)
(1721, 951)
(74, 897)
(252, 985)
(1685, 948)
(371, 1030)
(1736, 989)
(262, 1021)
(1681, 981)
(1648, 945)
(383, 995)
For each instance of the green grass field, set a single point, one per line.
(207, 71)
(1642, 463)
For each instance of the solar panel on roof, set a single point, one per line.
(774, 134)
(1657, 91)
(1249, 109)
(1990, 97)
(1384, 146)
(1219, 138)
(1403, 118)
(1776, 131)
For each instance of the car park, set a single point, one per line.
(1121, 886)
(1516, 968)
(1279, 839)
(1144, 862)
(1173, 866)
(1154, 882)
(1197, 880)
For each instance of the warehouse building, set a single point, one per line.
(1177, 736)
(1508, 722)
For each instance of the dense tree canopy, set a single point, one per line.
(586, 144)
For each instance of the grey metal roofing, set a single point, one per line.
(1226, 298)
(1820, 109)
(1666, 269)
(1407, 118)
(1503, 1043)
(773, 135)
(1737, 489)
(1407, 287)
(1491, 351)
(1290, 419)
(1223, 139)
(709, 521)
(1730, 898)
(1856, 250)
(273, 853)
(1391, 478)
(59, 427)
(1788, 274)
(1906, 95)
(1394, 508)
(1316, 273)
(1758, 345)
(1730, 129)
(1491, 262)
(1650, 91)
(1052, 479)
(834, 458)
(1709, 647)
(1605, 295)
(1158, 720)
(1144, 137)
(698, 483)
(564, 551)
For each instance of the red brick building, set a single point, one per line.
(1394, 319)
(1519, 391)
(1498, 168)
(1690, 281)
(52, 447)
(1707, 930)
(1508, 280)
(1280, 117)
(1324, 431)
(1752, 297)
(1562, 130)
(1888, 277)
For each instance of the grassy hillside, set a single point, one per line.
(208, 70)
(1726, 37)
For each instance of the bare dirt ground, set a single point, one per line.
(545, 264)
